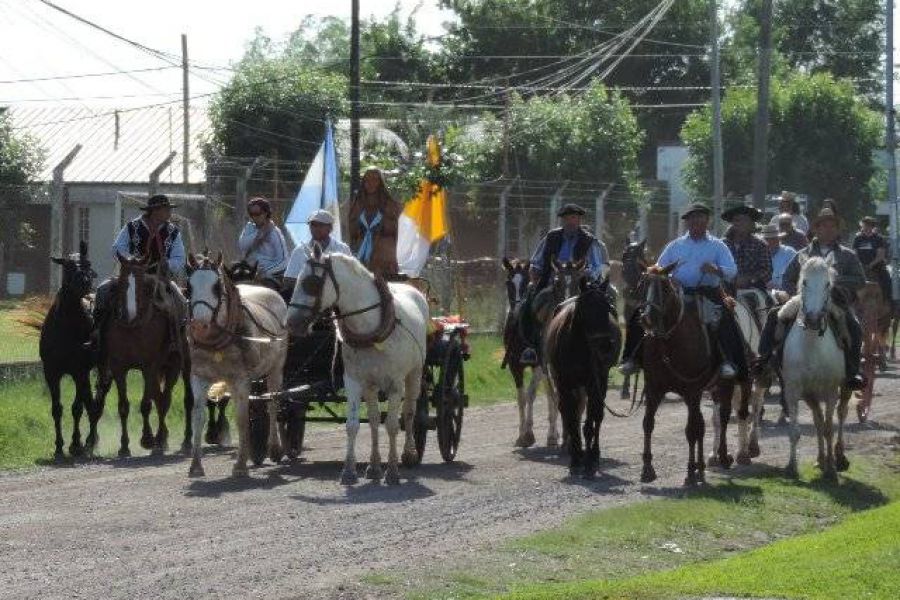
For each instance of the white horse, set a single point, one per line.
(236, 335)
(382, 328)
(813, 366)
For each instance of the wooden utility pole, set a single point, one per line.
(354, 98)
(718, 161)
(761, 131)
(186, 108)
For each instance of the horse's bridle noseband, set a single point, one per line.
(314, 285)
(656, 304)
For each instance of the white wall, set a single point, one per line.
(670, 162)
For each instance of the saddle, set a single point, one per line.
(756, 302)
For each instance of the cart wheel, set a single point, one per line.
(259, 431)
(449, 398)
(295, 430)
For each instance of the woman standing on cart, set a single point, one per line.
(262, 243)
(373, 222)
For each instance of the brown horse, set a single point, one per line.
(634, 263)
(677, 357)
(139, 336)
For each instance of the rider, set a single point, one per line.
(262, 242)
(321, 223)
(871, 248)
(781, 256)
(569, 243)
(751, 255)
(850, 278)
(703, 261)
(153, 237)
(792, 237)
(373, 223)
(789, 205)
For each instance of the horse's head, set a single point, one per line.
(130, 285)
(516, 279)
(206, 293)
(659, 300)
(241, 271)
(78, 276)
(315, 292)
(592, 317)
(816, 282)
(567, 278)
(634, 263)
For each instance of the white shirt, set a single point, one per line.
(271, 255)
(301, 253)
(691, 254)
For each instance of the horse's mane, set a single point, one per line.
(352, 263)
(816, 264)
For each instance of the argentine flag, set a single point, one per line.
(319, 190)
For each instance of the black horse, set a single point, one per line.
(65, 334)
(583, 342)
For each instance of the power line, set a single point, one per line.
(85, 75)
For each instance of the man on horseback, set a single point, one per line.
(850, 278)
(751, 255)
(158, 241)
(703, 262)
(871, 248)
(780, 254)
(572, 243)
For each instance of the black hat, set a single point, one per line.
(571, 209)
(742, 209)
(158, 201)
(695, 208)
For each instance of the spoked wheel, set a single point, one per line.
(450, 400)
(259, 431)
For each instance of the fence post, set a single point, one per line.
(600, 212)
(58, 215)
(501, 249)
(153, 185)
(240, 200)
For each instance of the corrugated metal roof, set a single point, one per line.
(145, 138)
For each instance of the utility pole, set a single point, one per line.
(354, 98)
(715, 76)
(890, 144)
(506, 131)
(186, 107)
(761, 132)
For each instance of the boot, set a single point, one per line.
(852, 355)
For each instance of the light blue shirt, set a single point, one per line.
(301, 254)
(596, 257)
(780, 260)
(691, 254)
(270, 255)
(176, 254)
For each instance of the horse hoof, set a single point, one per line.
(713, 460)
(528, 439)
(349, 477)
(743, 458)
(690, 481)
(293, 454)
(157, 451)
(147, 441)
(76, 450)
(830, 475)
(783, 419)
(59, 456)
(625, 394)
(210, 439)
(589, 474)
(275, 455)
(392, 477)
(648, 474)
(374, 472)
(841, 463)
(240, 471)
(552, 442)
(186, 448)
(754, 449)
(196, 469)
(409, 458)
(124, 452)
(791, 471)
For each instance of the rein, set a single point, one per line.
(223, 335)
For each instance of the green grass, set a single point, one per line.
(17, 342)
(622, 550)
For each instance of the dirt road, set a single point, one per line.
(139, 528)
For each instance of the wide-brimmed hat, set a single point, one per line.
(771, 232)
(158, 201)
(696, 207)
(826, 214)
(321, 216)
(742, 209)
(571, 209)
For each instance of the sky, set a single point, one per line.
(37, 41)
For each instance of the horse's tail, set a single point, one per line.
(33, 311)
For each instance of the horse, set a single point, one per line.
(813, 367)
(582, 343)
(513, 343)
(382, 327)
(236, 335)
(634, 263)
(677, 357)
(64, 334)
(140, 314)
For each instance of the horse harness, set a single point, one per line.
(314, 284)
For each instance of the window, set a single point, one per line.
(84, 224)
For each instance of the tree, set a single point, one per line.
(821, 142)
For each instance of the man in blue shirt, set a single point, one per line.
(780, 254)
(704, 263)
(569, 243)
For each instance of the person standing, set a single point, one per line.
(373, 223)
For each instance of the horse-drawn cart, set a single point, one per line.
(312, 384)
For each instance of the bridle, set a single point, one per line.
(513, 292)
(227, 295)
(144, 304)
(654, 301)
(826, 305)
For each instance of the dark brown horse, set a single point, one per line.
(64, 333)
(582, 343)
(139, 336)
(634, 263)
(677, 357)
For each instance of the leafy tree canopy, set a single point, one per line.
(21, 158)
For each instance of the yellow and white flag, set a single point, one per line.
(424, 219)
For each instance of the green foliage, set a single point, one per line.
(20, 156)
(821, 142)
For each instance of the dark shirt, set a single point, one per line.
(867, 246)
(752, 258)
(795, 239)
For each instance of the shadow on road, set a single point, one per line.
(203, 488)
(368, 492)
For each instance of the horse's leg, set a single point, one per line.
(596, 395)
(392, 423)
(151, 391)
(721, 417)
(648, 473)
(222, 427)
(693, 431)
(537, 376)
(163, 404)
(626, 387)
(189, 401)
(354, 395)
(782, 400)
(212, 427)
(56, 409)
(792, 398)
(819, 423)
(276, 446)
(829, 472)
(744, 415)
(518, 375)
(713, 459)
(240, 389)
(552, 414)
(373, 469)
(410, 456)
(840, 459)
(83, 389)
(76, 448)
(122, 389)
(756, 407)
(199, 389)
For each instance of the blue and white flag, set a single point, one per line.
(319, 190)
